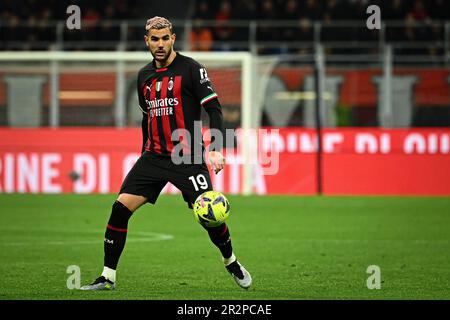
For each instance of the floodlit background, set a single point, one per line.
(356, 121)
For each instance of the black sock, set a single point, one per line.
(116, 234)
(220, 236)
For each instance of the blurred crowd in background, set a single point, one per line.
(224, 24)
(416, 20)
(38, 10)
(320, 9)
(223, 10)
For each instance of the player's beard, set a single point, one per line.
(163, 59)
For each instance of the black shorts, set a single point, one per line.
(151, 173)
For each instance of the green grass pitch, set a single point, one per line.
(295, 248)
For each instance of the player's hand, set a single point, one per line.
(217, 161)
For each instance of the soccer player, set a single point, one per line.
(171, 90)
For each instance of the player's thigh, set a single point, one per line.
(132, 201)
(192, 180)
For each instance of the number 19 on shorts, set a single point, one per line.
(200, 180)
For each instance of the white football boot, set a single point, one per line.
(240, 274)
(101, 283)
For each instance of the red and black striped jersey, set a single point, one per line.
(171, 98)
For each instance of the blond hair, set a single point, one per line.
(158, 23)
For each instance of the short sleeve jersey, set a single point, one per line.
(172, 98)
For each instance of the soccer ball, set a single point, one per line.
(211, 209)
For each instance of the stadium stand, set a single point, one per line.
(268, 26)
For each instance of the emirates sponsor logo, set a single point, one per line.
(158, 103)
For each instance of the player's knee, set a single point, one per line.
(118, 206)
(121, 202)
(120, 215)
(131, 202)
